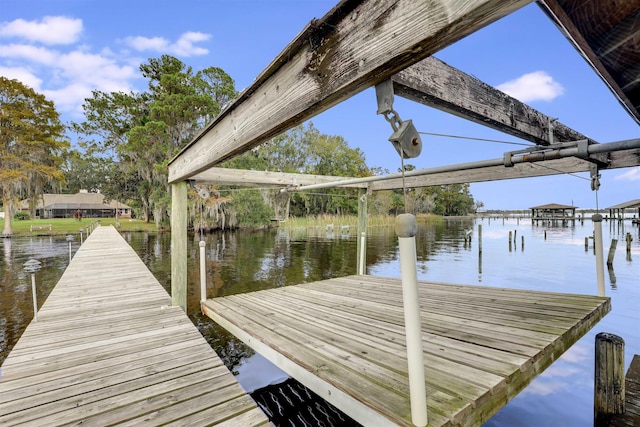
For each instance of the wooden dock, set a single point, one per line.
(344, 339)
(631, 416)
(109, 349)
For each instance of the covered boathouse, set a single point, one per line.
(553, 212)
(344, 338)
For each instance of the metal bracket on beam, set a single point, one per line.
(598, 159)
(595, 177)
(508, 161)
(552, 120)
(384, 96)
(405, 138)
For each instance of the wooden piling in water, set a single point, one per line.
(479, 238)
(609, 378)
(629, 239)
(612, 251)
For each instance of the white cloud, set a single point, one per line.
(632, 174)
(536, 86)
(68, 74)
(23, 75)
(35, 54)
(51, 30)
(184, 46)
(148, 43)
(70, 77)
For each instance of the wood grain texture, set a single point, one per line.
(249, 178)
(631, 417)
(434, 83)
(345, 337)
(110, 349)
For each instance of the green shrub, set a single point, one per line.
(21, 216)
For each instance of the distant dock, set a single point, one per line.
(109, 349)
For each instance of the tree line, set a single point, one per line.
(126, 140)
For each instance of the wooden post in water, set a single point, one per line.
(612, 251)
(609, 378)
(586, 244)
(629, 239)
(406, 229)
(179, 244)
(522, 238)
(361, 252)
(480, 238)
(597, 248)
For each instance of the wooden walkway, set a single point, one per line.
(109, 349)
(631, 416)
(344, 339)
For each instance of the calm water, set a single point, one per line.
(242, 262)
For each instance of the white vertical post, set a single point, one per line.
(363, 244)
(362, 232)
(203, 272)
(35, 298)
(597, 246)
(406, 228)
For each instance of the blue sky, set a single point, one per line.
(67, 48)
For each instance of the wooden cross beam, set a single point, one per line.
(432, 82)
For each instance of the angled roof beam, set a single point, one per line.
(359, 43)
(434, 83)
(563, 21)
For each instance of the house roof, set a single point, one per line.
(553, 206)
(630, 204)
(74, 201)
(67, 206)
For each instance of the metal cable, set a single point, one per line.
(476, 139)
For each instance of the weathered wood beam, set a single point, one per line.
(563, 20)
(359, 43)
(434, 83)
(618, 159)
(225, 176)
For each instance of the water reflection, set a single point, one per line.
(16, 304)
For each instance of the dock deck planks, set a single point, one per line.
(344, 339)
(110, 349)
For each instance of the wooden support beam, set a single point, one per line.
(226, 176)
(356, 45)
(434, 83)
(179, 244)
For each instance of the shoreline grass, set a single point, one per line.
(63, 226)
